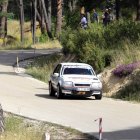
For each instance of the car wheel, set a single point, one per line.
(51, 90)
(98, 97)
(59, 93)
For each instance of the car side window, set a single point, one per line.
(59, 68)
(56, 69)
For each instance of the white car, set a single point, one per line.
(77, 79)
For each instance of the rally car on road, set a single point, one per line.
(77, 79)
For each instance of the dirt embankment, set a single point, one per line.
(112, 84)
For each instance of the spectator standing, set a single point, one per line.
(105, 17)
(102, 16)
(95, 16)
(111, 15)
(83, 22)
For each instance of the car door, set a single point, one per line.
(53, 75)
(57, 77)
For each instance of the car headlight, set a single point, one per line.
(100, 85)
(96, 85)
(68, 84)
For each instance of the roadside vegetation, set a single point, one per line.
(18, 128)
(130, 92)
(115, 46)
(99, 45)
(13, 39)
(42, 67)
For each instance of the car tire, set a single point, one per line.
(98, 97)
(51, 90)
(59, 93)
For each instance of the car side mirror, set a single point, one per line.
(99, 76)
(56, 74)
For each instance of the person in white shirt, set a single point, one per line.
(83, 22)
(102, 17)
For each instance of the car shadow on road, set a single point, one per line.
(65, 97)
(43, 88)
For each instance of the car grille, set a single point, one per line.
(82, 85)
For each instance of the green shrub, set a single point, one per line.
(130, 92)
(99, 38)
(44, 38)
(116, 33)
(92, 55)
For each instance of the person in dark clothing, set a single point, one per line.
(95, 16)
(105, 17)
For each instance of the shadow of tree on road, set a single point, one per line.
(9, 57)
(129, 134)
(8, 73)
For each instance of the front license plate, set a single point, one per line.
(82, 92)
(82, 89)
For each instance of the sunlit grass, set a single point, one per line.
(14, 27)
(18, 128)
(42, 67)
(130, 54)
(48, 45)
(13, 38)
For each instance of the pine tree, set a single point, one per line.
(46, 19)
(59, 17)
(49, 13)
(3, 18)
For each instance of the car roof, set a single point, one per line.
(72, 63)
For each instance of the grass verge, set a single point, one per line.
(42, 67)
(24, 129)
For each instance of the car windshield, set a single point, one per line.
(78, 70)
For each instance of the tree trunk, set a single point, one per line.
(38, 17)
(138, 10)
(42, 17)
(3, 20)
(49, 13)
(6, 22)
(70, 6)
(2, 123)
(21, 20)
(88, 17)
(117, 9)
(31, 4)
(59, 18)
(61, 14)
(74, 4)
(34, 2)
(22, 11)
(46, 19)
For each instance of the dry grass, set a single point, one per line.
(13, 36)
(14, 27)
(24, 129)
(49, 45)
(129, 55)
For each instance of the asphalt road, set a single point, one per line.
(28, 97)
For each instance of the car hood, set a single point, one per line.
(80, 78)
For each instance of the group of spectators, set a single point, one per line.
(106, 18)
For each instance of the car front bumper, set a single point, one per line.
(73, 91)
